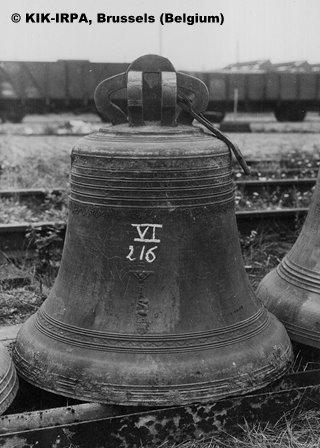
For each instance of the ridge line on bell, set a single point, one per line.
(146, 265)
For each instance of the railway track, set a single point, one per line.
(301, 169)
(14, 238)
(248, 186)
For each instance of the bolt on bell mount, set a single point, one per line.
(152, 305)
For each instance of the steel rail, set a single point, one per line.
(14, 240)
(67, 134)
(30, 193)
(302, 184)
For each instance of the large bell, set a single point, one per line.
(152, 305)
(8, 380)
(292, 290)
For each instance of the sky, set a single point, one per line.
(279, 30)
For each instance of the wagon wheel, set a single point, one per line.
(291, 113)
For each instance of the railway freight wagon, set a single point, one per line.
(288, 95)
(39, 87)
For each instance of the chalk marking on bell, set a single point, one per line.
(142, 232)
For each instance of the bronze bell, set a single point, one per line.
(292, 290)
(8, 380)
(152, 304)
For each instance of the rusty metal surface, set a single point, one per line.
(152, 86)
(119, 310)
(61, 416)
(153, 427)
(292, 290)
(152, 305)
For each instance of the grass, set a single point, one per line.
(15, 211)
(19, 303)
(300, 431)
(279, 166)
(30, 162)
(274, 199)
(264, 146)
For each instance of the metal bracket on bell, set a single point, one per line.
(152, 86)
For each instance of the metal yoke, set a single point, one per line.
(152, 87)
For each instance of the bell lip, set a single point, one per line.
(270, 290)
(10, 389)
(161, 403)
(277, 356)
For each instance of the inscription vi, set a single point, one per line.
(147, 235)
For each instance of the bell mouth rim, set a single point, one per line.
(9, 387)
(168, 396)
